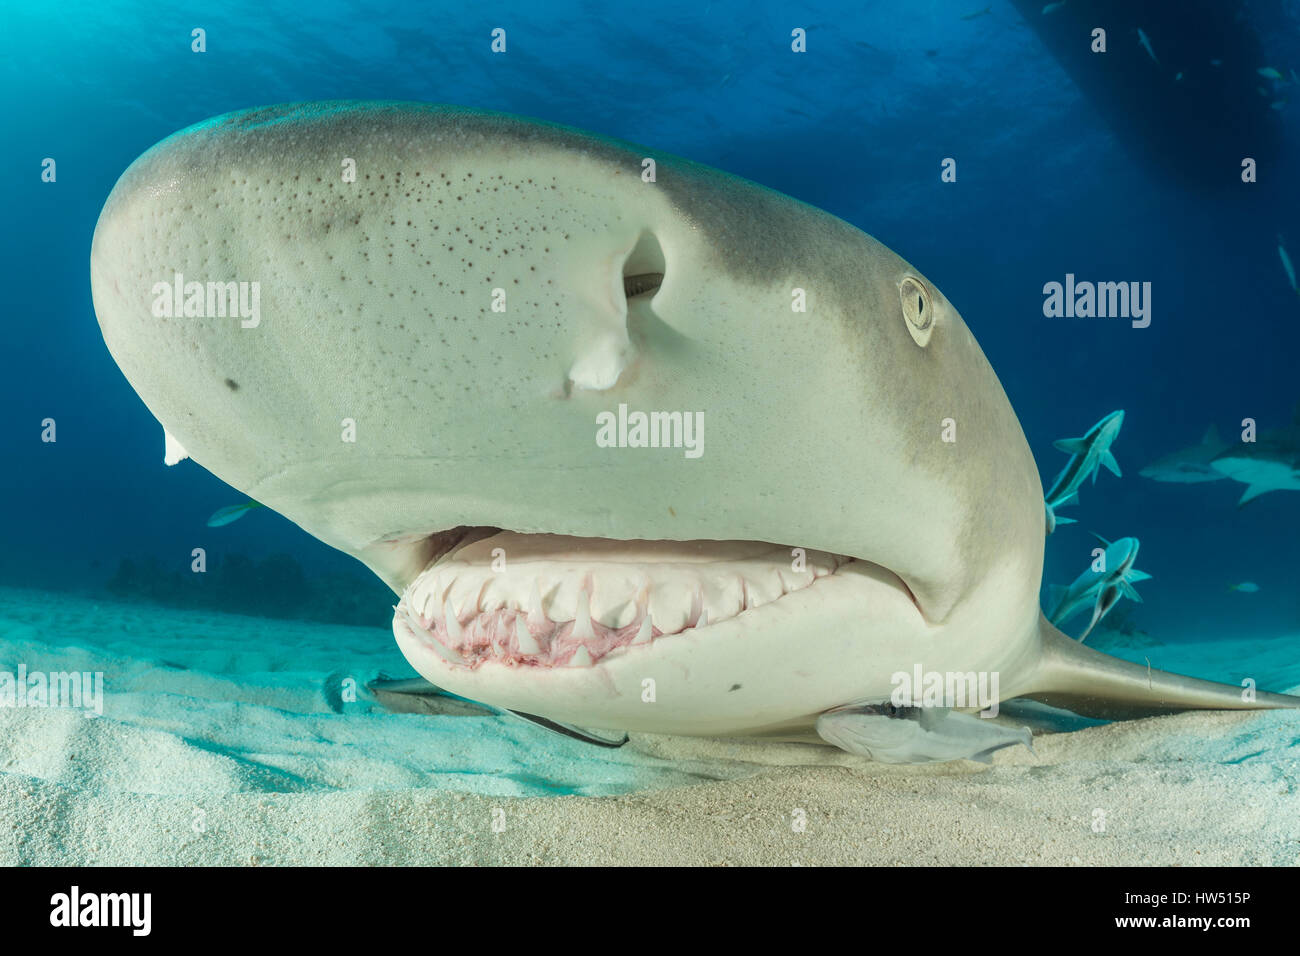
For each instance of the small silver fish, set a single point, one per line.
(1246, 587)
(1269, 72)
(1286, 264)
(1053, 7)
(1146, 42)
(224, 516)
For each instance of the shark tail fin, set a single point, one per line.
(1097, 685)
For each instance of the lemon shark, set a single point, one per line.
(1191, 464)
(1272, 463)
(466, 348)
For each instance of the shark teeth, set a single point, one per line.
(582, 620)
(645, 632)
(574, 601)
(416, 627)
(454, 631)
(524, 640)
(537, 619)
(446, 653)
(697, 607)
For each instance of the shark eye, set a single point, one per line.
(918, 309)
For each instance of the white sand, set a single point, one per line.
(224, 739)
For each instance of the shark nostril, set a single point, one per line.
(643, 269)
(643, 284)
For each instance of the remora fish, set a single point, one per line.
(1101, 589)
(1087, 455)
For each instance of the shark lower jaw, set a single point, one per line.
(542, 602)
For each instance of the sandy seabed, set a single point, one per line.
(238, 740)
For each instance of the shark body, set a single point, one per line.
(451, 302)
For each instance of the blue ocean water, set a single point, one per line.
(1053, 177)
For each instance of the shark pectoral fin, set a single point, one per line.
(1092, 684)
(1251, 493)
(173, 451)
(1071, 446)
(1134, 576)
(1060, 520)
(1111, 464)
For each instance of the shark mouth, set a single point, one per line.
(546, 601)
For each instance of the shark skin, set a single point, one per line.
(385, 406)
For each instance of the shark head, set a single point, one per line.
(641, 445)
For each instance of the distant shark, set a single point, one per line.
(1190, 464)
(1272, 463)
(1087, 455)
